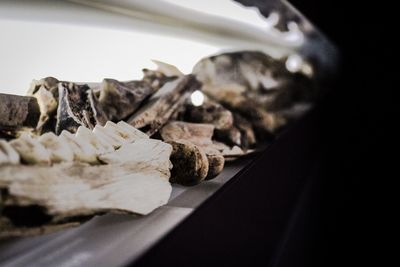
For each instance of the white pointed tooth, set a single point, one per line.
(132, 131)
(97, 142)
(126, 135)
(113, 139)
(112, 129)
(83, 152)
(8, 154)
(58, 148)
(30, 150)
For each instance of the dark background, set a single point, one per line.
(318, 196)
(359, 126)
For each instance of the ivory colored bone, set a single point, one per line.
(59, 150)
(101, 145)
(8, 155)
(83, 152)
(30, 150)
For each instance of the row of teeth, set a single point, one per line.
(85, 146)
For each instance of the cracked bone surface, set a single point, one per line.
(160, 106)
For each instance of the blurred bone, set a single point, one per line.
(30, 150)
(59, 150)
(160, 106)
(86, 135)
(190, 163)
(8, 155)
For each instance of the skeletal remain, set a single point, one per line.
(47, 104)
(247, 135)
(190, 163)
(216, 162)
(107, 136)
(59, 150)
(83, 151)
(8, 155)
(264, 123)
(228, 151)
(141, 149)
(85, 146)
(167, 69)
(256, 86)
(187, 135)
(246, 96)
(30, 150)
(197, 133)
(231, 136)
(209, 112)
(48, 83)
(138, 184)
(66, 119)
(240, 134)
(160, 106)
(120, 99)
(99, 114)
(18, 111)
(113, 130)
(100, 145)
(135, 179)
(156, 79)
(130, 131)
(3, 158)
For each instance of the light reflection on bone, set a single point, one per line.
(197, 98)
(295, 63)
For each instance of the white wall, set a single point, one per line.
(33, 50)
